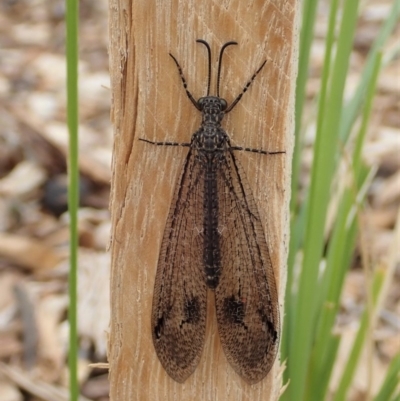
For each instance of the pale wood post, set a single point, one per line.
(149, 102)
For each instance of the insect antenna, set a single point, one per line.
(209, 63)
(220, 62)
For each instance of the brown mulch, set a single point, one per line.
(34, 223)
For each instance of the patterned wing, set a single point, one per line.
(180, 293)
(246, 297)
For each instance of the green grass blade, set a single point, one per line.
(322, 172)
(343, 236)
(358, 344)
(340, 252)
(341, 245)
(391, 381)
(371, 87)
(306, 38)
(330, 37)
(319, 388)
(296, 235)
(353, 106)
(73, 187)
(298, 223)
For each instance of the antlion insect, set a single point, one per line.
(228, 255)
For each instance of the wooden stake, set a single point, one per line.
(149, 102)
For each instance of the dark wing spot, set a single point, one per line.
(269, 327)
(273, 332)
(159, 327)
(234, 310)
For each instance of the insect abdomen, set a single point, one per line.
(212, 257)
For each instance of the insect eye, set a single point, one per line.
(224, 104)
(200, 102)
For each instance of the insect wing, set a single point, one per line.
(180, 292)
(246, 297)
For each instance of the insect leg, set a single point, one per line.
(236, 101)
(165, 143)
(264, 152)
(189, 95)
